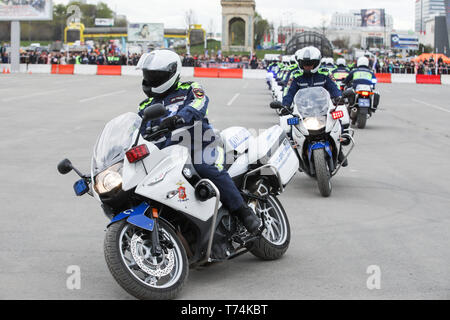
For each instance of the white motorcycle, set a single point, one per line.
(365, 102)
(165, 218)
(314, 127)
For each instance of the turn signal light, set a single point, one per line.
(137, 153)
(337, 115)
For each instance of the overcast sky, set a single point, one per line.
(302, 12)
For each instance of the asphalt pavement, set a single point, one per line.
(387, 219)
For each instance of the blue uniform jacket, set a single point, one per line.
(188, 101)
(303, 81)
(360, 75)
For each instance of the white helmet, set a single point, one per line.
(286, 60)
(363, 62)
(161, 70)
(340, 62)
(330, 61)
(292, 59)
(309, 56)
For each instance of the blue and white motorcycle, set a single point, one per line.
(164, 218)
(314, 126)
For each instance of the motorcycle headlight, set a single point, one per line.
(109, 180)
(314, 124)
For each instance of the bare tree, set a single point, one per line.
(190, 18)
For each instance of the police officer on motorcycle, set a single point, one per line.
(341, 72)
(187, 102)
(310, 75)
(362, 74)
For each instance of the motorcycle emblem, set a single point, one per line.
(182, 193)
(182, 196)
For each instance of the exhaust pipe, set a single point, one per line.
(354, 113)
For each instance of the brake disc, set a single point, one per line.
(146, 264)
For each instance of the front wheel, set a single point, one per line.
(276, 237)
(129, 258)
(322, 172)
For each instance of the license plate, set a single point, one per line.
(364, 102)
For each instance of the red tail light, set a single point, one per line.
(137, 153)
(337, 115)
(364, 93)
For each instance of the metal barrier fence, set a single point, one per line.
(414, 70)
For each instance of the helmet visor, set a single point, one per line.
(156, 78)
(309, 63)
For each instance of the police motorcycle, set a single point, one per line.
(362, 103)
(164, 218)
(339, 74)
(314, 127)
(281, 80)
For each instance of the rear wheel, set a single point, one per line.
(322, 172)
(362, 118)
(276, 237)
(129, 258)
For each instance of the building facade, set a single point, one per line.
(425, 11)
(352, 20)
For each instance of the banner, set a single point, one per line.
(407, 42)
(26, 10)
(102, 22)
(151, 33)
(373, 18)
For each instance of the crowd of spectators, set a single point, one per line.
(429, 67)
(111, 55)
(98, 57)
(236, 61)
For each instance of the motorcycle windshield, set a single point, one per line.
(312, 102)
(115, 139)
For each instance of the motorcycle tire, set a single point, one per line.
(362, 118)
(266, 247)
(322, 173)
(129, 281)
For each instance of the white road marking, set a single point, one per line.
(42, 93)
(102, 96)
(232, 99)
(431, 105)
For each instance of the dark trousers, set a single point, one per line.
(229, 193)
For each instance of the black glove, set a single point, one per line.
(286, 111)
(338, 100)
(170, 123)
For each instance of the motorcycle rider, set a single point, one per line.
(341, 72)
(362, 74)
(310, 74)
(188, 101)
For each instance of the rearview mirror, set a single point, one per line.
(276, 105)
(154, 112)
(65, 166)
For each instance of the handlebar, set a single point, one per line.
(157, 132)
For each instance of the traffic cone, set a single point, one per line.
(7, 71)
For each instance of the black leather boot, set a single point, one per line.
(248, 218)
